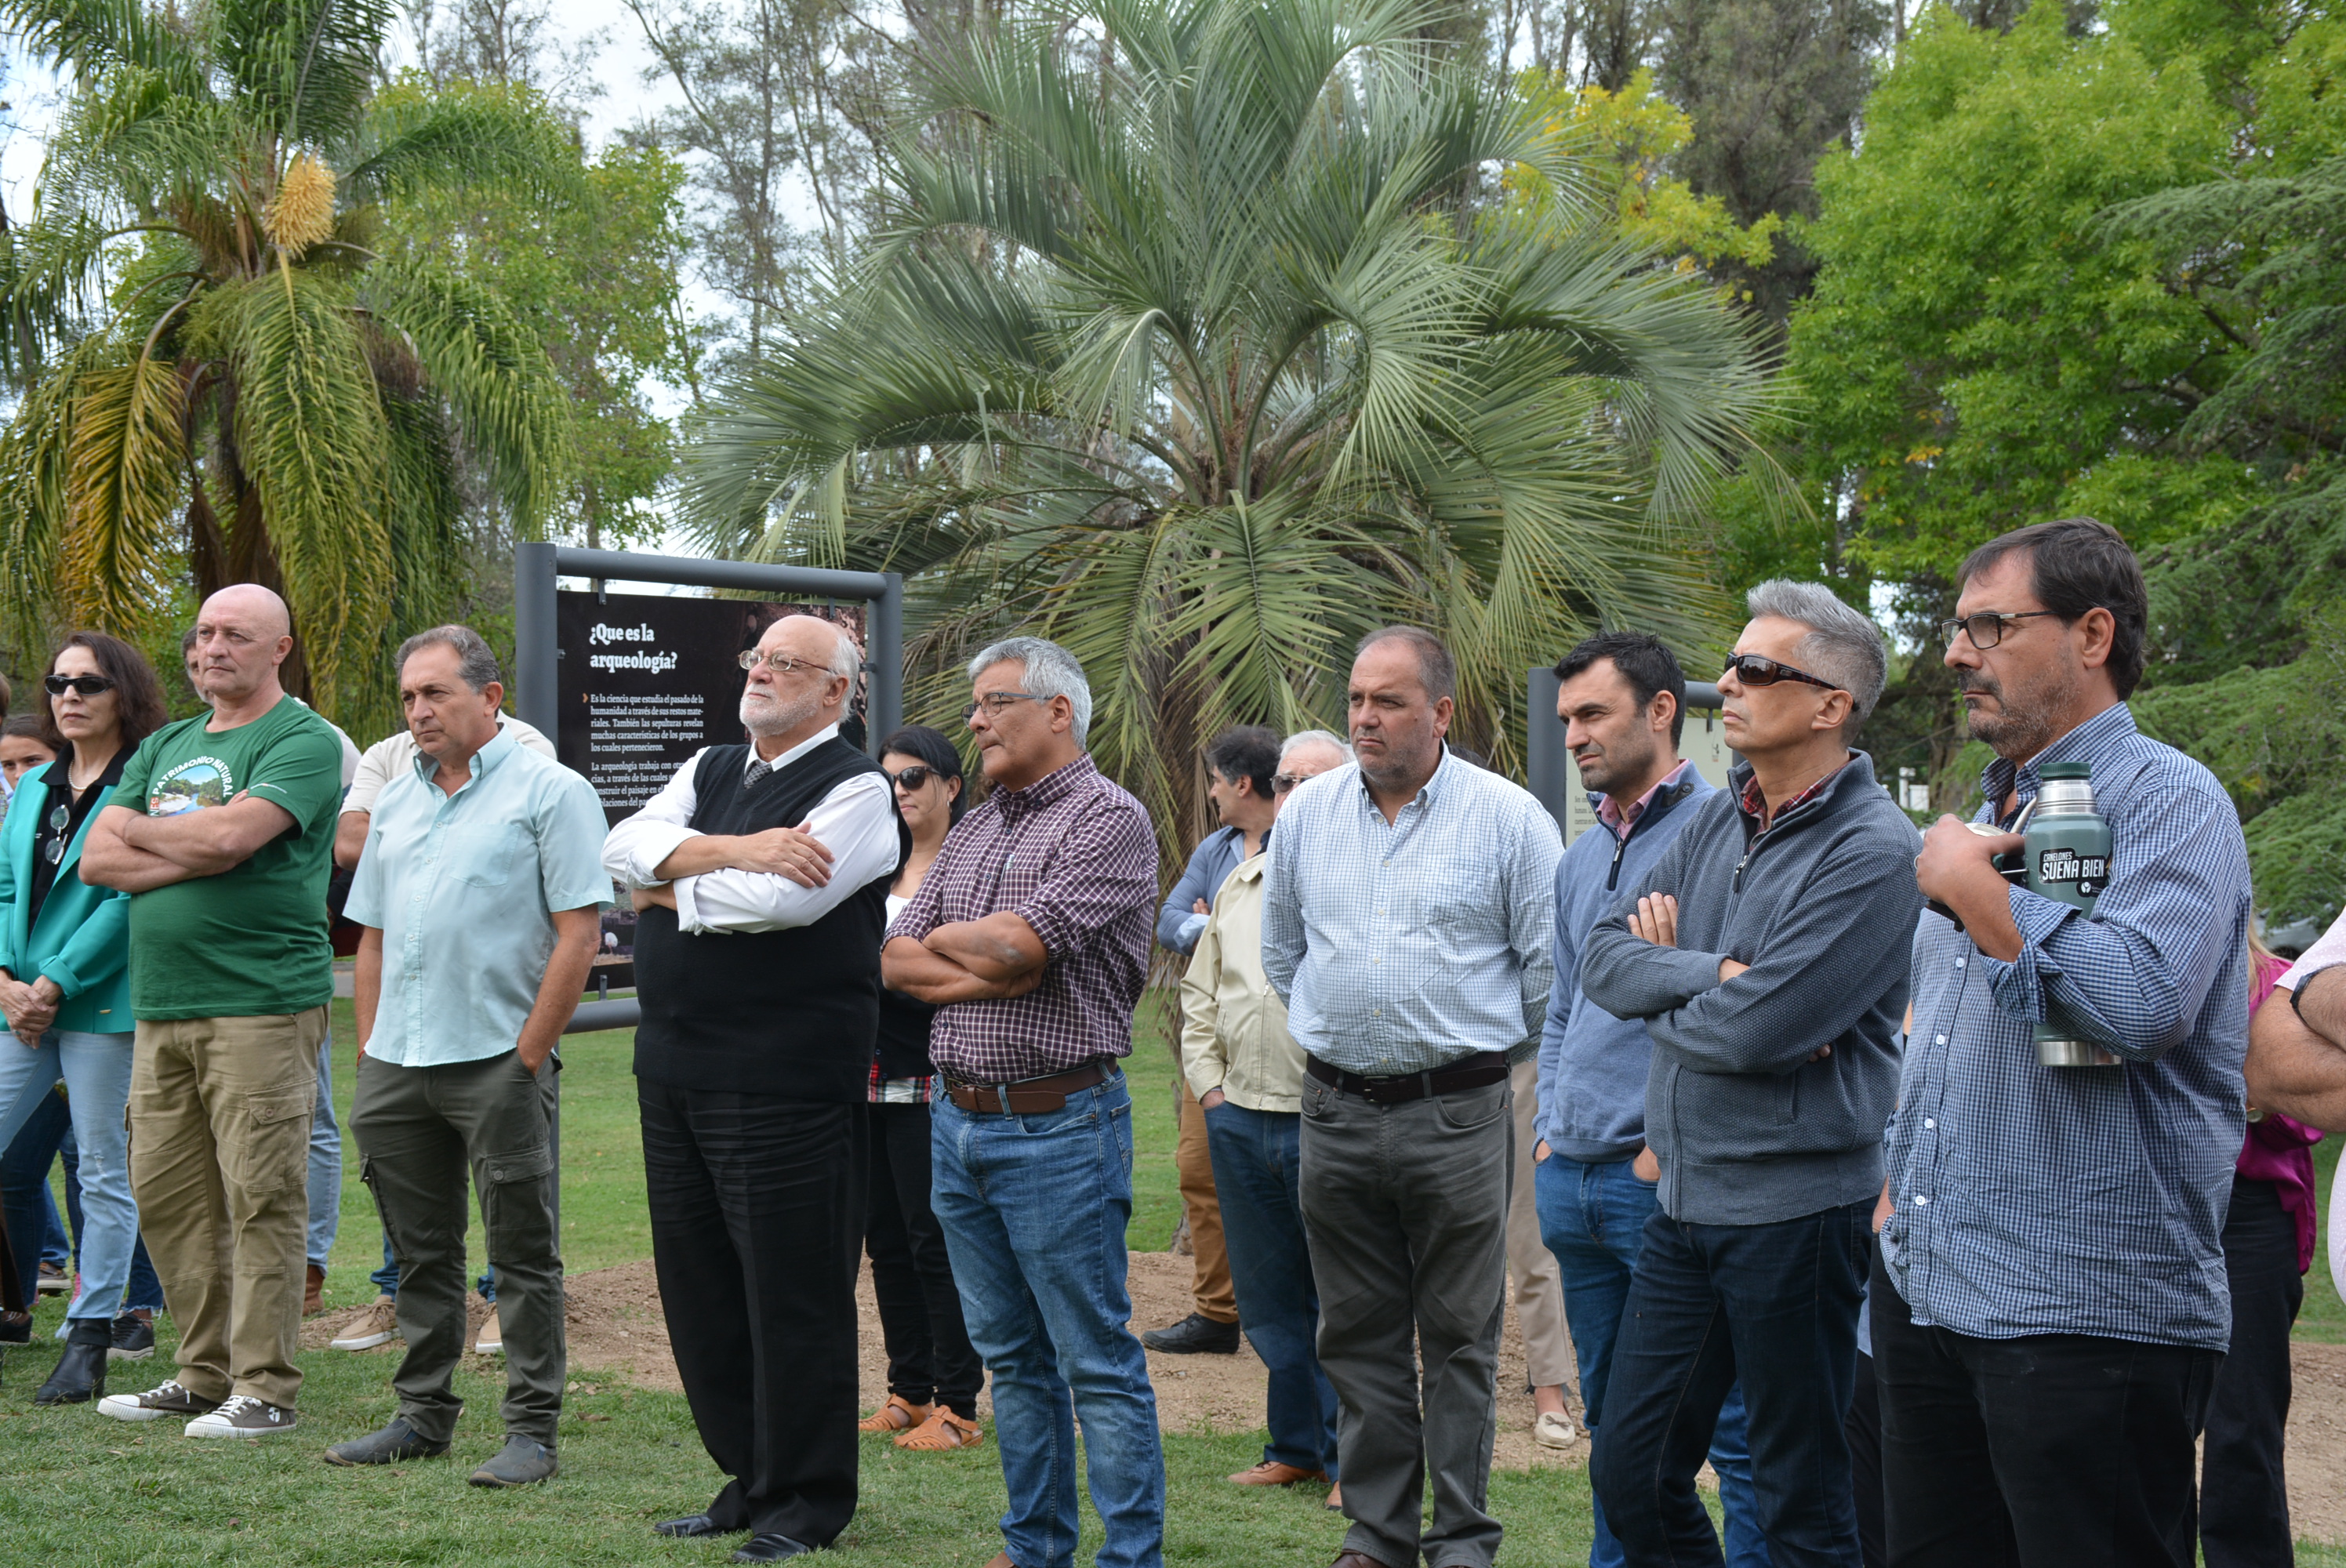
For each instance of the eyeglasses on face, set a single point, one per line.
(780, 664)
(998, 703)
(1753, 670)
(1283, 783)
(913, 778)
(88, 684)
(1986, 628)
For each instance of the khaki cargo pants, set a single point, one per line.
(219, 1163)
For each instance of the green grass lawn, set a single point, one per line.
(84, 1489)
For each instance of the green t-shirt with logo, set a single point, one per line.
(253, 938)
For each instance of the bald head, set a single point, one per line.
(242, 634)
(784, 708)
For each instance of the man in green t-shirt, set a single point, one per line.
(223, 833)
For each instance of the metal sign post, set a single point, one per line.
(537, 654)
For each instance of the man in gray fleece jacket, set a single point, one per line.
(1766, 951)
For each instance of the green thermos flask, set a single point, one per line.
(2067, 858)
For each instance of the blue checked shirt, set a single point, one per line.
(2084, 1200)
(1400, 947)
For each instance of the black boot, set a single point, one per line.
(80, 1374)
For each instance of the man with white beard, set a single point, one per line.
(761, 877)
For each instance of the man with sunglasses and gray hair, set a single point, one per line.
(1766, 952)
(761, 879)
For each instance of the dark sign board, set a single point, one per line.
(645, 681)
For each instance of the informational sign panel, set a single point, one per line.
(647, 681)
(1551, 774)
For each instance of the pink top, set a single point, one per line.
(2280, 1149)
(1621, 822)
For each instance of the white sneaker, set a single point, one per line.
(378, 1325)
(491, 1341)
(242, 1417)
(163, 1399)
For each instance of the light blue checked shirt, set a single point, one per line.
(2084, 1200)
(1400, 947)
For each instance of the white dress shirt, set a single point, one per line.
(856, 822)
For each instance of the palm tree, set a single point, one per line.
(1205, 336)
(217, 375)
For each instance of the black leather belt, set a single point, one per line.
(1467, 1072)
(1029, 1096)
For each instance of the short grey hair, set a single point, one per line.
(474, 661)
(1050, 671)
(1303, 738)
(846, 658)
(1843, 645)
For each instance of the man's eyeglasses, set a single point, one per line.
(1753, 670)
(1283, 783)
(88, 684)
(998, 703)
(780, 664)
(913, 778)
(1986, 628)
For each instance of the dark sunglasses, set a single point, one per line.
(1986, 628)
(1753, 670)
(88, 684)
(914, 777)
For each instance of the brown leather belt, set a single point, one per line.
(1028, 1096)
(1467, 1072)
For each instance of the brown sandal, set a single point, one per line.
(943, 1431)
(898, 1415)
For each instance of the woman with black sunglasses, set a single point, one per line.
(65, 982)
(934, 1371)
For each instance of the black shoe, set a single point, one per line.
(79, 1377)
(694, 1524)
(15, 1327)
(769, 1547)
(394, 1444)
(1194, 1334)
(134, 1339)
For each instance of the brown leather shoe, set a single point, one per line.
(313, 1293)
(1270, 1473)
(1357, 1560)
(1002, 1560)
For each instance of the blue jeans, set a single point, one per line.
(1256, 1156)
(1778, 1304)
(325, 1161)
(1593, 1217)
(1034, 1210)
(97, 1071)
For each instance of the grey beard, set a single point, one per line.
(778, 719)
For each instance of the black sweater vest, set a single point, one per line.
(789, 1013)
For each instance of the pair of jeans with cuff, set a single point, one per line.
(1593, 1216)
(1406, 1207)
(1035, 1208)
(1258, 1166)
(428, 1137)
(97, 1073)
(1775, 1304)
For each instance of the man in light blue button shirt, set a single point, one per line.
(479, 893)
(1409, 923)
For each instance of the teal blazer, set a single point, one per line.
(83, 940)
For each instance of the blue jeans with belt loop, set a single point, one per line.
(1035, 1208)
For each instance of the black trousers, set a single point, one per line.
(2243, 1500)
(930, 1358)
(757, 1211)
(2051, 1451)
(1864, 1429)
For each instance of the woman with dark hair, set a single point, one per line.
(934, 1371)
(65, 983)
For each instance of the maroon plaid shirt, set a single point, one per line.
(1074, 857)
(1755, 804)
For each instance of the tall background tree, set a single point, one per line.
(1214, 351)
(220, 375)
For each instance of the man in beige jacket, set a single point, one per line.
(1248, 1075)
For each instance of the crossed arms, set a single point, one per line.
(966, 961)
(137, 853)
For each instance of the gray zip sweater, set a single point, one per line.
(1822, 906)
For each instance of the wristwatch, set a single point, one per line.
(2296, 995)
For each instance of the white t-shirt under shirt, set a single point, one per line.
(387, 758)
(900, 1091)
